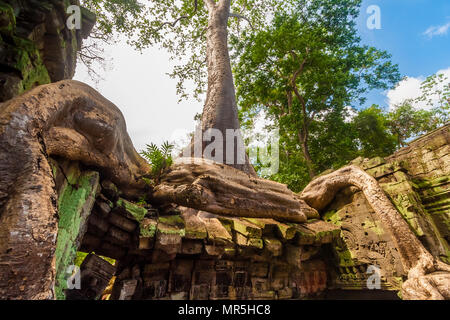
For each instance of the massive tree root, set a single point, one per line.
(73, 121)
(428, 278)
(205, 185)
(67, 119)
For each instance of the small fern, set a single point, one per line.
(159, 158)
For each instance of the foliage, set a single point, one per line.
(380, 133)
(142, 202)
(160, 158)
(406, 121)
(371, 126)
(333, 141)
(303, 70)
(436, 95)
(177, 26)
(414, 117)
(299, 61)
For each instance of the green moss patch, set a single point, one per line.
(74, 206)
(7, 19)
(137, 212)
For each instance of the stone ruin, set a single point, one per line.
(70, 186)
(37, 47)
(174, 252)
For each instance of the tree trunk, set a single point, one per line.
(220, 109)
(305, 150)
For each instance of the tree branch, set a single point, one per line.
(237, 15)
(173, 23)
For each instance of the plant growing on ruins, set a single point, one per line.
(160, 158)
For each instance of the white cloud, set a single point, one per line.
(350, 113)
(437, 30)
(409, 88)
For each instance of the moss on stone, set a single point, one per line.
(407, 202)
(7, 19)
(245, 228)
(133, 209)
(435, 196)
(80, 258)
(171, 225)
(195, 231)
(286, 231)
(374, 226)
(28, 62)
(345, 258)
(255, 243)
(148, 228)
(74, 205)
(374, 162)
(381, 170)
(332, 217)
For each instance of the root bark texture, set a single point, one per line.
(428, 278)
(209, 186)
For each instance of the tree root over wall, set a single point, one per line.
(428, 278)
(71, 120)
(208, 186)
(67, 119)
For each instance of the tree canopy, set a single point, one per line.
(304, 70)
(179, 27)
(299, 62)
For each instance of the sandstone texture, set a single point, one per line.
(72, 183)
(36, 46)
(64, 120)
(73, 194)
(415, 179)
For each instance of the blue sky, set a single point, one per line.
(403, 24)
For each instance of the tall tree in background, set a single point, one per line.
(304, 69)
(414, 117)
(372, 133)
(406, 122)
(196, 31)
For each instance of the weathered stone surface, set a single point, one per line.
(122, 222)
(364, 241)
(409, 179)
(274, 246)
(36, 45)
(217, 233)
(316, 232)
(208, 254)
(195, 227)
(191, 247)
(428, 156)
(95, 275)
